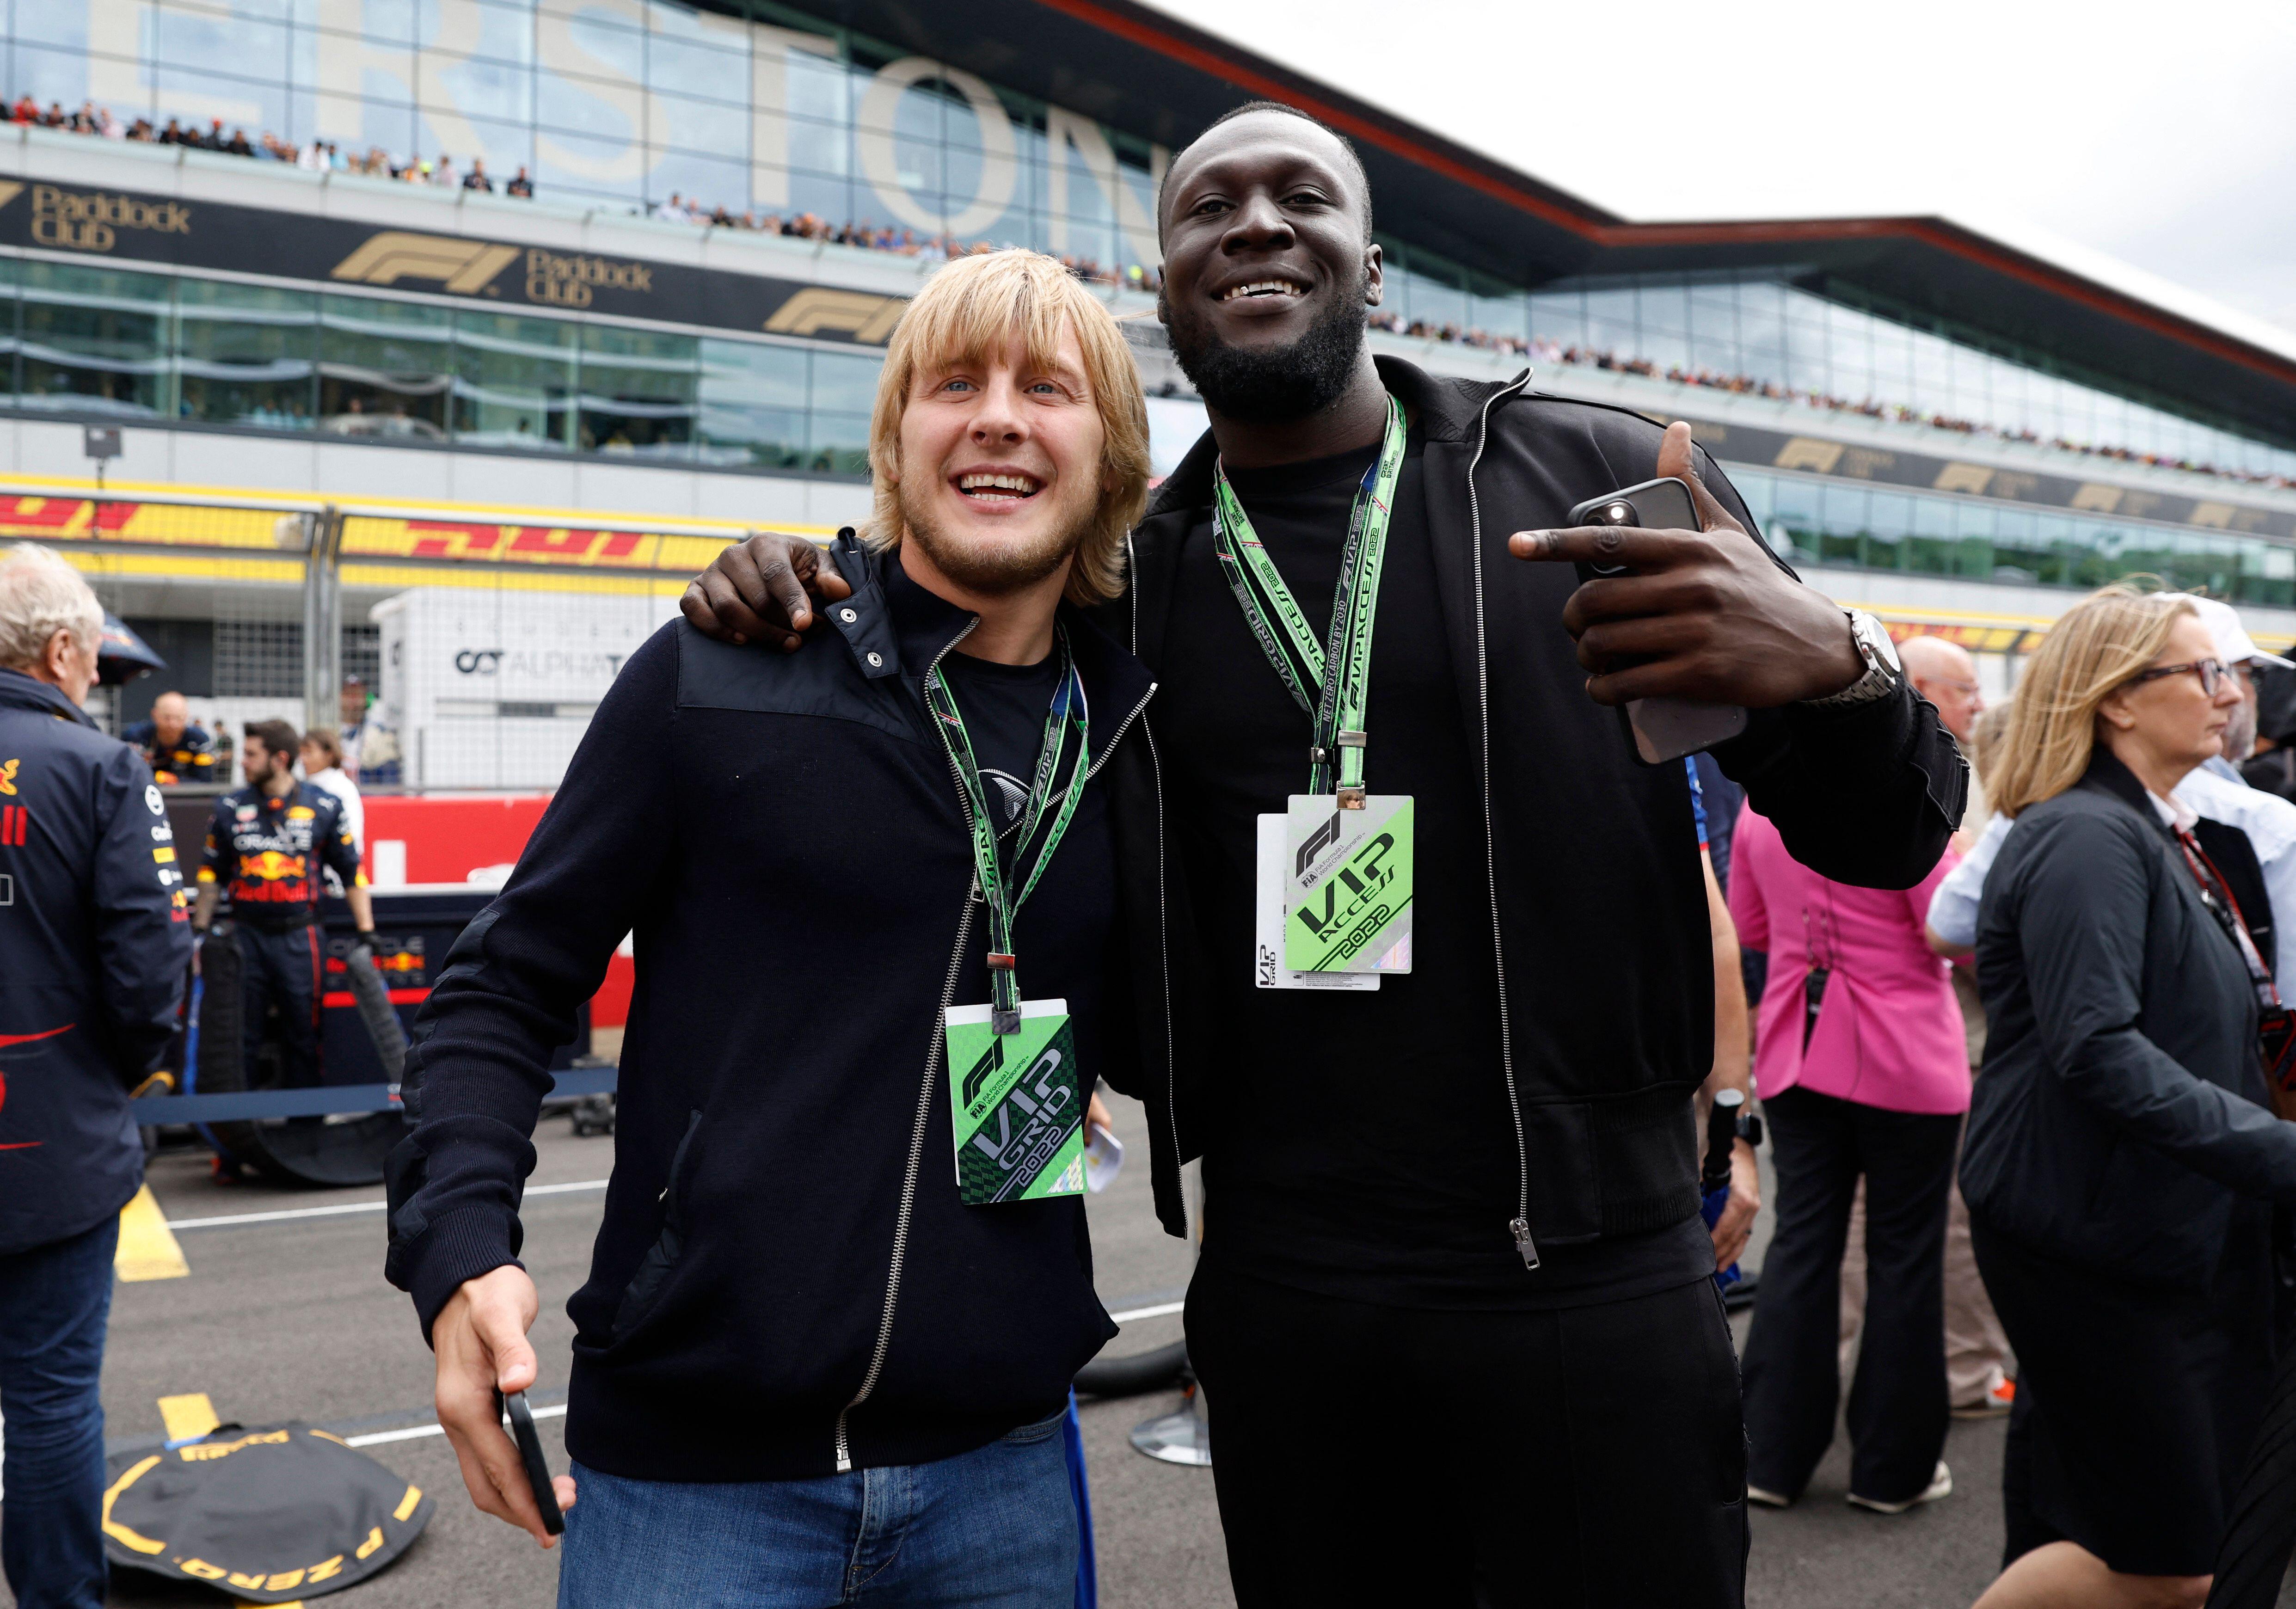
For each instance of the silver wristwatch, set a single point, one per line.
(1881, 673)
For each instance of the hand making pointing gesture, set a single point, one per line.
(1705, 615)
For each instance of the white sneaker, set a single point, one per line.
(1768, 1500)
(1940, 1486)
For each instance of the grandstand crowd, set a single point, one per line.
(325, 156)
(1541, 350)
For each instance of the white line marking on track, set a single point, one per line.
(420, 1431)
(1158, 1312)
(236, 1219)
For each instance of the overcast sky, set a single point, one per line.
(2162, 134)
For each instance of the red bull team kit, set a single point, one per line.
(267, 854)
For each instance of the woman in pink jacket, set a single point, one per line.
(1862, 1070)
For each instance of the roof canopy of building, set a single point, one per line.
(1157, 77)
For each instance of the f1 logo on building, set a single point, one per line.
(465, 267)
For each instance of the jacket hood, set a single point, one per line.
(21, 692)
(1441, 410)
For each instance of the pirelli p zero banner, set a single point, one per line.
(122, 225)
(1922, 472)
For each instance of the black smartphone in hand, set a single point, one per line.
(529, 1453)
(1660, 729)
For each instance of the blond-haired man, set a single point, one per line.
(842, 1282)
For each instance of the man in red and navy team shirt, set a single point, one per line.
(265, 848)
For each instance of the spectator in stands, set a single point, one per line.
(521, 185)
(174, 749)
(443, 174)
(2123, 1160)
(477, 179)
(1861, 1066)
(93, 953)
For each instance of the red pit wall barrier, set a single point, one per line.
(447, 838)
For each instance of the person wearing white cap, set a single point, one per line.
(2215, 790)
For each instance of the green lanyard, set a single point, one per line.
(1338, 709)
(1068, 709)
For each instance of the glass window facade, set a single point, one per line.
(618, 101)
(158, 347)
(1763, 336)
(777, 114)
(1812, 521)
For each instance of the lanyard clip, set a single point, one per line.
(1352, 796)
(1002, 987)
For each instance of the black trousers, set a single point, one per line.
(281, 968)
(1586, 1459)
(1897, 1410)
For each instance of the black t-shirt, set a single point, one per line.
(1363, 1147)
(1062, 936)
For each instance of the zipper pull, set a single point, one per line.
(1520, 1229)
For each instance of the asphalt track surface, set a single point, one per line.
(288, 1318)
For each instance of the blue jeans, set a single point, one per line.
(54, 1301)
(992, 1529)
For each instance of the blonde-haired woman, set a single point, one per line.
(2122, 1159)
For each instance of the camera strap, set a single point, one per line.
(1338, 672)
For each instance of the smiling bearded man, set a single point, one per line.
(843, 1280)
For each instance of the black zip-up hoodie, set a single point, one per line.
(1597, 906)
(785, 1284)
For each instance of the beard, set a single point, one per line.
(999, 568)
(1271, 385)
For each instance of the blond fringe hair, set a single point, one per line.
(967, 312)
(2099, 643)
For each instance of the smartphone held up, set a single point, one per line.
(1660, 729)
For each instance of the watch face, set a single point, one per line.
(1876, 636)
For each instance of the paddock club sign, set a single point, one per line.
(123, 225)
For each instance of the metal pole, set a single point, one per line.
(322, 621)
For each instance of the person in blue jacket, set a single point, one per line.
(93, 948)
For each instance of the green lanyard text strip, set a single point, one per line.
(1336, 758)
(1068, 709)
